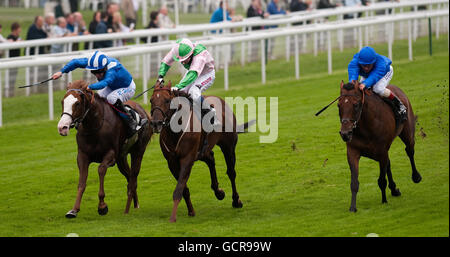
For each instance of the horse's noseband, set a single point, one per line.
(165, 121)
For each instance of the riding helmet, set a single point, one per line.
(184, 49)
(367, 55)
(97, 61)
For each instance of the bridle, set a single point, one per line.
(355, 122)
(77, 121)
(166, 120)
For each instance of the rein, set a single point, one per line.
(166, 121)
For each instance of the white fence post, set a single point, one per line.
(390, 39)
(263, 62)
(330, 62)
(145, 70)
(1, 104)
(410, 52)
(297, 63)
(226, 57)
(50, 93)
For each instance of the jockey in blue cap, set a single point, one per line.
(114, 83)
(376, 73)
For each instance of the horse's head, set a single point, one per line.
(160, 110)
(75, 105)
(350, 107)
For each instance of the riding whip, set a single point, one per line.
(143, 92)
(38, 83)
(324, 108)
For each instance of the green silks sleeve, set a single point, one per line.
(190, 77)
(163, 69)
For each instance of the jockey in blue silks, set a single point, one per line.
(115, 83)
(376, 72)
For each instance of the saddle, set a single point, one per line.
(132, 136)
(204, 136)
(394, 108)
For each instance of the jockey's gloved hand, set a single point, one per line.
(160, 79)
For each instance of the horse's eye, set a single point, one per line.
(167, 101)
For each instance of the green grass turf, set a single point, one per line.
(286, 190)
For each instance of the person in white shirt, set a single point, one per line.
(60, 30)
(164, 21)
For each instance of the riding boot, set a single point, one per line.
(127, 116)
(399, 108)
(214, 120)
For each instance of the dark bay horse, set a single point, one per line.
(183, 148)
(101, 138)
(368, 126)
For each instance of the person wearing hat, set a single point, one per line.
(376, 72)
(115, 83)
(200, 73)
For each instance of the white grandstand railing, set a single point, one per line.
(273, 20)
(146, 50)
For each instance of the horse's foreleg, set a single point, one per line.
(108, 160)
(183, 176)
(382, 183)
(136, 161)
(83, 167)
(210, 161)
(353, 156)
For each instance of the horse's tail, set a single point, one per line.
(243, 127)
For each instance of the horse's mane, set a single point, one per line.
(78, 84)
(349, 86)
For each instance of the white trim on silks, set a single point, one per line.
(112, 65)
(95, 64)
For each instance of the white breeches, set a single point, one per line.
(124, 94)
(200, 85)
(380, 86)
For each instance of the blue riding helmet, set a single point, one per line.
(367, 55)
(97, 61)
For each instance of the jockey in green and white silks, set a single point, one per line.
(200, 73)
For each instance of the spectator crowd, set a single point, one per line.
(59, 24)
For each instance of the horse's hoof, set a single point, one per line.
(416, 178)
(192, 213)
(237, 204)
(396, 192)
(173, 220)
(71, 214)
(103, 211)
(352, 209)
(220, 194)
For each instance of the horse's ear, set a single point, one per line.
(169, 84)
(342, 83)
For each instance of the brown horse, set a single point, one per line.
(368, 126)
(101, 138)
(183, 148)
